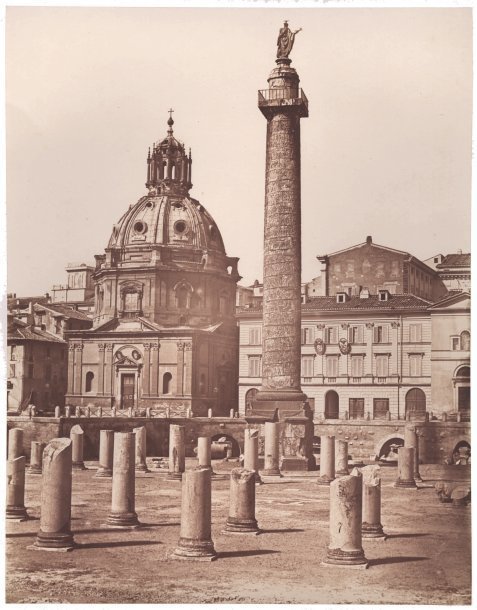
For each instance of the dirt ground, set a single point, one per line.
(425, 560)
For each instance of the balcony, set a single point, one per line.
(271, 99)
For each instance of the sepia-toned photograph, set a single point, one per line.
(237, 309)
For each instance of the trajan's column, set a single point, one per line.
(283, 104)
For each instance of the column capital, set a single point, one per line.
(188, 346)
(395, 325)
(320, 326)
(79, 347)
(369, 325)
(109, 347)
(345, 326)
(101, 346)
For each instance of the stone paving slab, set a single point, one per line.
(425, 559)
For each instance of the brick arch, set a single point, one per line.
(382, 441)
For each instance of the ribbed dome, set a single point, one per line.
(180, 222)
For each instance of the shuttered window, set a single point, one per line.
(306, 335)
(254, 366)
(382, 363)
(355, 334)
(381, 333)
(356, 408)
(255, 336)
(332, 366)
(331, 334)
(356, 366)
(415, 365)
(415, 333)
(307, 366)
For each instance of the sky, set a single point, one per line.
(386, 150)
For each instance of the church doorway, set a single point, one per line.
(332, 405)
(128, 383)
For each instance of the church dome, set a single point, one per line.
(167, 226)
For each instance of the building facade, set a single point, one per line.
(164, 331)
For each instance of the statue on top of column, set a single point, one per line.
(285, 41)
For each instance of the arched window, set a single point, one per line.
(465, 341)
(415, 403)
(332, 405)
(183, 295)
(89, 381)
(249, 398)
(167, 383)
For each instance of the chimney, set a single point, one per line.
(30, 318)
(369, 240)
(364, 294)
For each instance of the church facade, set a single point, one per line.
(164, 332)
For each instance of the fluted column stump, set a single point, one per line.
(57, 412)
(345, 549)
(176, 452)
(406, 468)
(411, 439)
(123, 514)
(341, 456)
(67, 411)
(241, 519)
(16, 510)
(55, 520)
(371, 526)
(15, 443)
(250, 452)
(327, 460)
(36, 457)
(195, 542)
(106, 448)
(77, 439)
(140, 434)
(271, 467)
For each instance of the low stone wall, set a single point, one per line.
(365, 438)
(157, 430)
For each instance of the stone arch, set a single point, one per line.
(249, 396)
(167, 383)
(88, 385)
(183, 293)
(390, 439)
(236, 450)
(332, 405)
(459, 453)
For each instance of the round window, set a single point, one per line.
(140, 227)
(180, 227)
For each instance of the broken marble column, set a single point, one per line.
(271, 467)
(123, 514)
(106, 448)
(36, 457)
(141, 465)
(195, 540)
(327, 460)
(77, 439)
(209, 413)
(345, 548)
(411, 439)
(405, 468)
(250, 452)
(341, 458)
(55, 520)
(57, 412)
(77, 411)
(67, 411)
(460, 496)
(232, 413)
(241, 519)
(16, 489)
(204, 452)
(176, 452)
(15, 443)
(371, 526)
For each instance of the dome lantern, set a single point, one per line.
(169, 168)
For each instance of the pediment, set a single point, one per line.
(457, 301)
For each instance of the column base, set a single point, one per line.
(271, 472)
(324, 480)
(345, 559)
(123, 520)
(16, 513)
(295, 463)
(78, 466)
(174, 476)
(104, 473)
(141, 468)
(54, 541)
(406, 484)
(241, 526)
(34, 470)
(342, 473)
(372, 530)
(193, 549)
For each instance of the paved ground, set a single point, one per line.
(426, 559)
